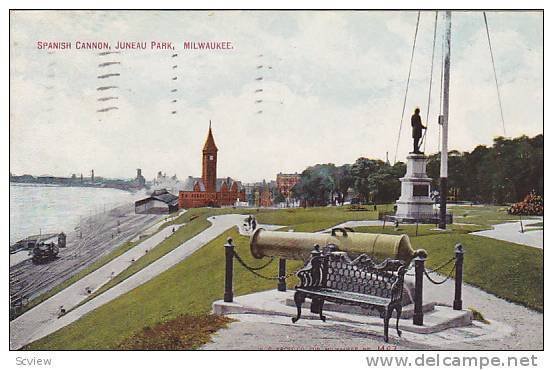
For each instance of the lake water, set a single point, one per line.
(45, 209)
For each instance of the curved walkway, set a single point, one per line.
(510, 232)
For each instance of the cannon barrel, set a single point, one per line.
(298, 245)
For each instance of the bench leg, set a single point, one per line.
(398, 313)
(298, 300)
(321, 316)
(317, 307)
(387, 315)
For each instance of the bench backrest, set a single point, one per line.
(362, 275)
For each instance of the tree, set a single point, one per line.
(316, 184)
(343, 180)
(362, 171)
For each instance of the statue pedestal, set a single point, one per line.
(415, 204)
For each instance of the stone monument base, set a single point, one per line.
(415, 205)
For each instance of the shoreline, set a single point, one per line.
(51, 208)
(73, 185)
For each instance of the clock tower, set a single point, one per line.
(209, 162)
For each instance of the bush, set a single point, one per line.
(532, 205)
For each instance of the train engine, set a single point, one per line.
(45, 252)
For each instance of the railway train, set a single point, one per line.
(44, 252)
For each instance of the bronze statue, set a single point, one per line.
(417, 126)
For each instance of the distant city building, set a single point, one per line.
(171, 183)
(260, 194)
(159, 202)
(209, 191)
(140, 180)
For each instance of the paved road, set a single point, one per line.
(42, 320)
(510, 232)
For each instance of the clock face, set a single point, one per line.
(210, 157)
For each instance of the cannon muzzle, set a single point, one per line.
(298, 245)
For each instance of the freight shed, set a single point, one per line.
(161, 201)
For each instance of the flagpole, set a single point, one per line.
(445, 122)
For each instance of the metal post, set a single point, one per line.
(419, 274)
(445, 122)
(281, 287)
(229, 260)
(459, 257)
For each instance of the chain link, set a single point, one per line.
(444, 280)
(253, 270)
(431, 270)
(442, 265)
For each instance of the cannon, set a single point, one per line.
(298, 245)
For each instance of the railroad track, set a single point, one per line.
(28, 280)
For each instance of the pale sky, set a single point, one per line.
(334, 91)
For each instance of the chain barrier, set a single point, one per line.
(426, 271)
(444, 280)
(256, 268)
(253, 270)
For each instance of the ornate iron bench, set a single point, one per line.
(335, 278)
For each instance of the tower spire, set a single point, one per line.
(209, 162)
(210, 141)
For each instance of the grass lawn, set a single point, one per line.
(510, 271)
(423, 229)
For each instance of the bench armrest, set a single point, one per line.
(311, 275)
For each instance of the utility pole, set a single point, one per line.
(444, 122)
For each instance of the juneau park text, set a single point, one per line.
(133, 45)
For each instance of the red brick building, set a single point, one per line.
(285, 183)
(209, 191)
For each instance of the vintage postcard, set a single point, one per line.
(277, 180)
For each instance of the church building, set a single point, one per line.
(209, 191)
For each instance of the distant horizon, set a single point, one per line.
(99, 175)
